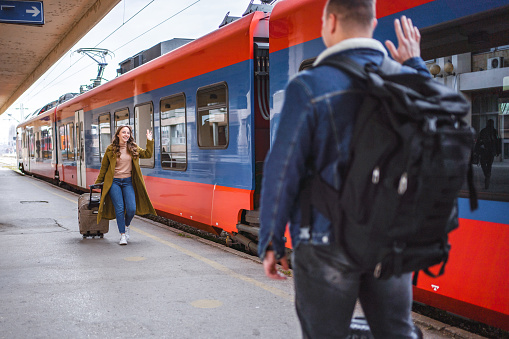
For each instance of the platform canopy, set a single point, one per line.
(28, 51)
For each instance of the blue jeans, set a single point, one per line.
(327, 286)
(124, 201)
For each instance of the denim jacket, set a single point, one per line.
(314, 132)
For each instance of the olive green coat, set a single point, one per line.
(106, 174)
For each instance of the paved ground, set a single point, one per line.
(163, 284)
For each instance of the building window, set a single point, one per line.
(491, 150)
(104, 133)
(173, 132)
(212, 116)
(143, 121)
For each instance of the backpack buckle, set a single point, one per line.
(375, 178)
(403, 184)
(431, 124)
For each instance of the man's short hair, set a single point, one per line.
(358, 13)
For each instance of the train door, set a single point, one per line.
(79, 122)
(27, 149)
(261, 113)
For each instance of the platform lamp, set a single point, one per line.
(449, 68)
(434, 70)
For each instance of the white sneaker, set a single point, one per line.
(127, 233)
(123, 240)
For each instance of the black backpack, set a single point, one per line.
(409, 157)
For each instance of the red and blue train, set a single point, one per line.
(214, 111)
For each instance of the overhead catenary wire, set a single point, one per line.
(174, 15)
(91, 64)
(159, 24)
(81, 57)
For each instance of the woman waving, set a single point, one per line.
(124, 193)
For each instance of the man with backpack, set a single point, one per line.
(314, 135)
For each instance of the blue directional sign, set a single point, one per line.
(21, 12)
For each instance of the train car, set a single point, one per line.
(465, 34)
(200, 101)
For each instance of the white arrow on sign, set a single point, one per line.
(34, 11)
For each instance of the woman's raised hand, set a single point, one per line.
(149, 135)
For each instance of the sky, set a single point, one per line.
(188, 19)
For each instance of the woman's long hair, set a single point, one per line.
(132, 148)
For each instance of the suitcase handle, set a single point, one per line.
(95, 203)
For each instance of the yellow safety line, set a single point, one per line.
(218, 266)
(61, 196)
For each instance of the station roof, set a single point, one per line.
(28, 51)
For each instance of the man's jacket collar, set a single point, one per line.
(353, 43)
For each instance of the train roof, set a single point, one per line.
(42, 118)
(286, 20)
(447, 26)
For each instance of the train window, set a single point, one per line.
(69, 133)
(42, 143)
(212, 116)
(143, 121)
(173, 132)
(63, 142)
(104, 133)
(32, 143)
(308, 63)
(20, 142)
(50, 140)
(46, 143)
(38, 146)
(121, 118)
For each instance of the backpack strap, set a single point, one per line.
(415, 278)
(316, 192)
(390, 66)
(433, 275)
(345, 64)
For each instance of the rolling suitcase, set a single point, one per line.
(88, 206)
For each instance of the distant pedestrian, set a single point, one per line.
(124, 193)
(314, 135)
(488, 146)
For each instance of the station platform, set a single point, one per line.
(165, 283)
